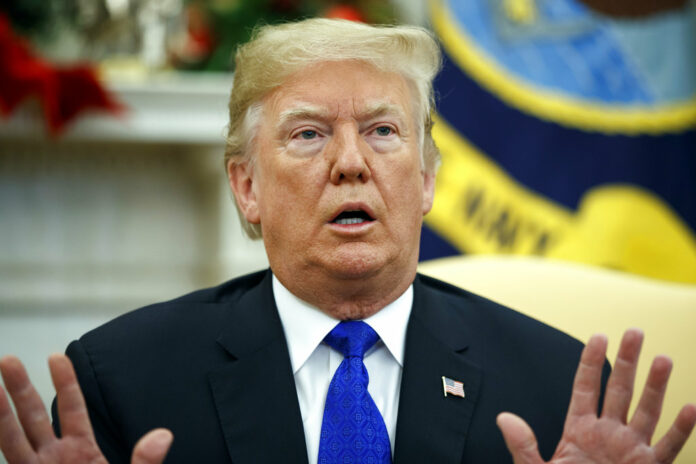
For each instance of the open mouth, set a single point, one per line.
(352, 217)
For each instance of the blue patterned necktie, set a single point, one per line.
(352, 431)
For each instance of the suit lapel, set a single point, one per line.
(432, 427)
(255, 392)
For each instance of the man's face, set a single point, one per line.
(337, 183)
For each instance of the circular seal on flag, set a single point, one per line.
(562, 61)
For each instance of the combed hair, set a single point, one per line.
(276, 52)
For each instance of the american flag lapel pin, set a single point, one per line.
(453, 387)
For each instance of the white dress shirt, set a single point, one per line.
(314, 362)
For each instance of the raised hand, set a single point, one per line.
(609, 438)
(31, 440)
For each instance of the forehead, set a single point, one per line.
(342, 88)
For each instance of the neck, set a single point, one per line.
(347, 298)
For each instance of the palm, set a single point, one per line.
(70, 450)
(34, 441)
(609, 438)
(603, 440)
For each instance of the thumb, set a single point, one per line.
(152, 447)
(519, 439)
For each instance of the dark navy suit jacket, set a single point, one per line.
(213, 367)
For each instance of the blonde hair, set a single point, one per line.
(275, 52)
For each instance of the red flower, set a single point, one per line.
(64, 92)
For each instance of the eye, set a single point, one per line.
(384, 131)
(308, 134)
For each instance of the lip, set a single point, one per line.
(352, 206)
(351, 231)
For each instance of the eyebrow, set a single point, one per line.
(377, 109)
(373, 110)
(302, 112)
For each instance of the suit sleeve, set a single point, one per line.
(108, 437)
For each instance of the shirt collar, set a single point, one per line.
(305, 326)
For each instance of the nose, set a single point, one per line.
(348, 155)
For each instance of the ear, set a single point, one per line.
(428, 192)
(241, 178)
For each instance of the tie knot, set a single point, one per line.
(352, 338)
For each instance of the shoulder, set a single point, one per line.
(508, 326)
(195, 314)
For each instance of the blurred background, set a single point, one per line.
(567, 127)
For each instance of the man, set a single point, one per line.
(330, 159)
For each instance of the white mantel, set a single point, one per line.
(186, 108)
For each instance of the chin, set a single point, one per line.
(356, 266)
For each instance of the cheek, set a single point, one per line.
(290, 194)
(405, 192)
(407, 176)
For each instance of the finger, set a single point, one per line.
(152, 447)
(519, 439)
(620, 386)
(28, 404)
(72, 411)
(588, 378)
(669, 446)
(13, 442)
(647, 413)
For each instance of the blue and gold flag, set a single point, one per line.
(566, 133)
